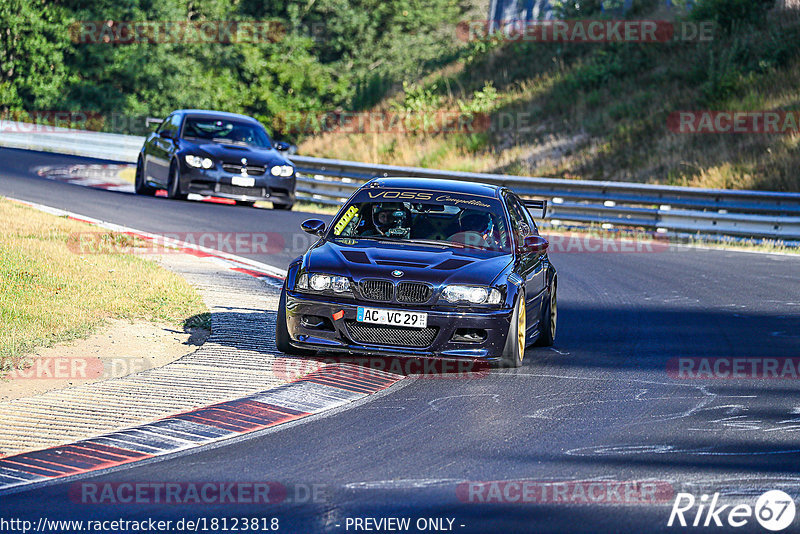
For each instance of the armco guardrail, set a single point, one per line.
(101, 145)
(664, 209)
(667, 209)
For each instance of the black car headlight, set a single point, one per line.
(324, 283)
(198, 162)
(282, 170)
(457, 294)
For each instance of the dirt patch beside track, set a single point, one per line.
(119, 349)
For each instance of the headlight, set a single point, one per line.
(282, 170)
(471, 295)
(324, 283)
(302, 282)
(197, 161)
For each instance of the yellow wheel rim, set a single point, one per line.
(521, 325)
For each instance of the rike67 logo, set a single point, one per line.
(774, 510)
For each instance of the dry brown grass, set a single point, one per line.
(51, 294)
(613, 131)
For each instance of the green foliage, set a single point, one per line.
(731, 14)
(726, 68)
(370, 91)
(419, 107)
(474, 142)
(333, 54)
(483, 101)
(419, 98)
(597, 71)
(33, 38)
(723, 78)
(575, 9)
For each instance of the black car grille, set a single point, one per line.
(252, 170)
(391, 335)
(413, 292)
(238, 190)
(380, 290)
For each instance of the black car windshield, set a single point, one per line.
(445, 220)
(218, 130)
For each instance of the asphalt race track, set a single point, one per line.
(602, 405)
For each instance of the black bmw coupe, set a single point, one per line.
(423, 268)
(218, 154)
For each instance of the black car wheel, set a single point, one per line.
(174, 187)
(282, 332)
(277, 206)
(246, 203)
(514, 351)
(547, 334)
(140, 186)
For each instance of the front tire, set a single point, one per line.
(514, 351)
(140, 186)
(282, 332)
(174, 185)
(547, 333)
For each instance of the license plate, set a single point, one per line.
(392, 317)
(243, 181)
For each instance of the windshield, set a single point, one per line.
(226, 131)
(449, 220)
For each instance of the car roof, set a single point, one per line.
(435, 184)
(214, 114)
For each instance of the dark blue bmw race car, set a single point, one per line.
(423, 268)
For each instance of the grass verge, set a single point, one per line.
(50, 294)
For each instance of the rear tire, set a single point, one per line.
(514, 351)
(245, 203)
(282, 332)
(547, 333)
(285, 207)
(140, 186)
(174, 185)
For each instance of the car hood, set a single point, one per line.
(359, 259)
(234, 153)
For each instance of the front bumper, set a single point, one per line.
(337, 333)
(218, 183)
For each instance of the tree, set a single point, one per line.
(33, 37)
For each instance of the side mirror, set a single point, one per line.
(283, 147)
(166, 134)
(313, 227)
(150, 121)
(535, 243)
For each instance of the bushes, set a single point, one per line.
(334, 54)
(732, 14)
